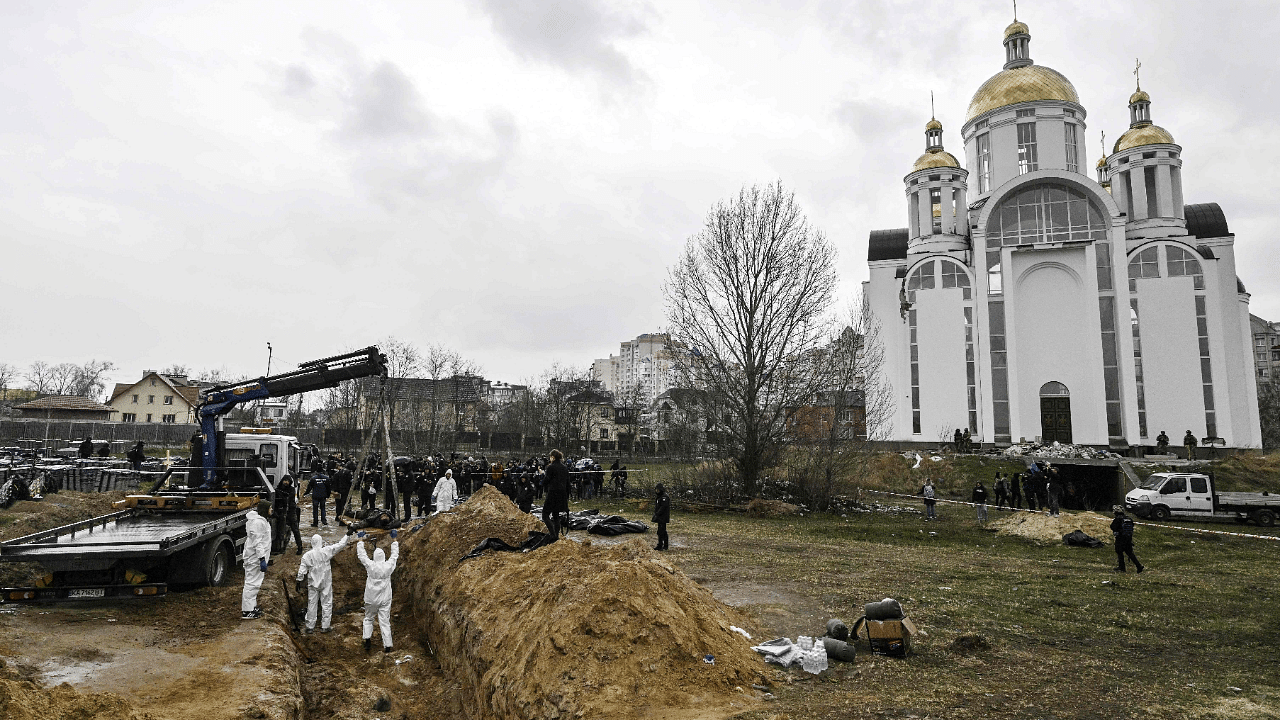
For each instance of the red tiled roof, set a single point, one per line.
(63, 402)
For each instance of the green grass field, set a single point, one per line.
(1195, 636)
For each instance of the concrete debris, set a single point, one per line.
(1065, 451)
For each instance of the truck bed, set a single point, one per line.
(1249, 499)
(121, 534)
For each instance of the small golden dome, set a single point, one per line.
(1145, 135)
(1102, 162)
(935, 159)
(1139, 96)
(1016, 27)
(1021, 84)
(933, 125)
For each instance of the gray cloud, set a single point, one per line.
(384, 104)
(575, 35)
(297, 81)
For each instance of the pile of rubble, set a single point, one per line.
(1065, 451)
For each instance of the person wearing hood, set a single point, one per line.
(377, 590)
(317, 570)
(662, 516)
(446, 492)
(557, 504)
(257, 548)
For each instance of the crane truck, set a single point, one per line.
(192, 531)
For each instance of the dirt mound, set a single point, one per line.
(770, 508)
(22, 699)
(969, 644)
(571, 629)
(1047, 529)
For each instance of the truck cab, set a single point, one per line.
(280, 455)
(1166, 494)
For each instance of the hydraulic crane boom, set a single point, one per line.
(314, 375)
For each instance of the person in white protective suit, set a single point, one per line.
(446, 492)
(257, 549)
(315, 568)
(377, 590)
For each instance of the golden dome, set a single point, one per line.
(1015, 28)
(935, 159)
(1139, 96)
(1102, 162)
(933, 125)
(1145, 135)
(1021, 84)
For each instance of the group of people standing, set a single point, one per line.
(1042, 486)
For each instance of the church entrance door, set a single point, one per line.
(1055, 413)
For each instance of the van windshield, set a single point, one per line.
(1154, 482)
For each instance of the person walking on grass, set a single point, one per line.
(980, 502)
(1015, 491)
(930, 499)
(1122, 531)
(1002, 491)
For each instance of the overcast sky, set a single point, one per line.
(187, 181)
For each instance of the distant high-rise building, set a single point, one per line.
(640, 372)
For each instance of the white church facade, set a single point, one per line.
(1028, 300)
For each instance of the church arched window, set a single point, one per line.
(1145, 264)
(1047, 212)
(1182, 263)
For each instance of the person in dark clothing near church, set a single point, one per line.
(1002, 491)
(980, 502)
(1189, 440)
(86, 448)
(662, 516)
(524, 493)
(1162, 443)
(1053, 489)
(341, 478)
(1122, 531)
(1015, 491)
(557, 503)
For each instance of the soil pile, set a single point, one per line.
(1047, 529)
(770, 508)
(22, 699)
(570, 629)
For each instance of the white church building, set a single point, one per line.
(1027, 300)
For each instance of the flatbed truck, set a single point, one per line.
(1192, 495)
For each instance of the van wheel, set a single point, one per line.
(1160, 513)
(218, 560)
(1265, 518)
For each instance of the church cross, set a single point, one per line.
(1136, 67)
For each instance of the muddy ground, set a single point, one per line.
(1015, 626)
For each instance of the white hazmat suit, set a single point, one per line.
(446, 492)
(316, 570)
(377, 590)
(257, 550)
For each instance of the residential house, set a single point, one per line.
(65, 407)
(157, 397)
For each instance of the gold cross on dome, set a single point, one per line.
(1015, 10)
(1136, 67)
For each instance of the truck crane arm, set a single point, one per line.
(314, 375)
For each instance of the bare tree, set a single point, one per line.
(39, 377)
(747, 302)
(8, 374)
(562, 419)
(853, 410)
(1269, 413)
(87, 380)
(177, 369)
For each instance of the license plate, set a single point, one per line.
(87, 593)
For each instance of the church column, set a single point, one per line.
(1138, 184)
(1164, 191)
(926, 212)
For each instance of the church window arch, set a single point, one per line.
(1182, 263)
(1046, 212)
(926, 277)
(1145, 264)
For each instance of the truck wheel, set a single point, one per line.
(1160, 513)
(1265, 518)
(218, 560)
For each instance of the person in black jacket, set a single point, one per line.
(341, 478)
(662, 516)
(86, 448)
(286, 514)
(136, 456)
(980, 502)
(1015, 491)
(557, 503)
(524, 493)
(318, 489)
(1122, 531)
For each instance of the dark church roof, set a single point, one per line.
(887, 245)
(1206, 220)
